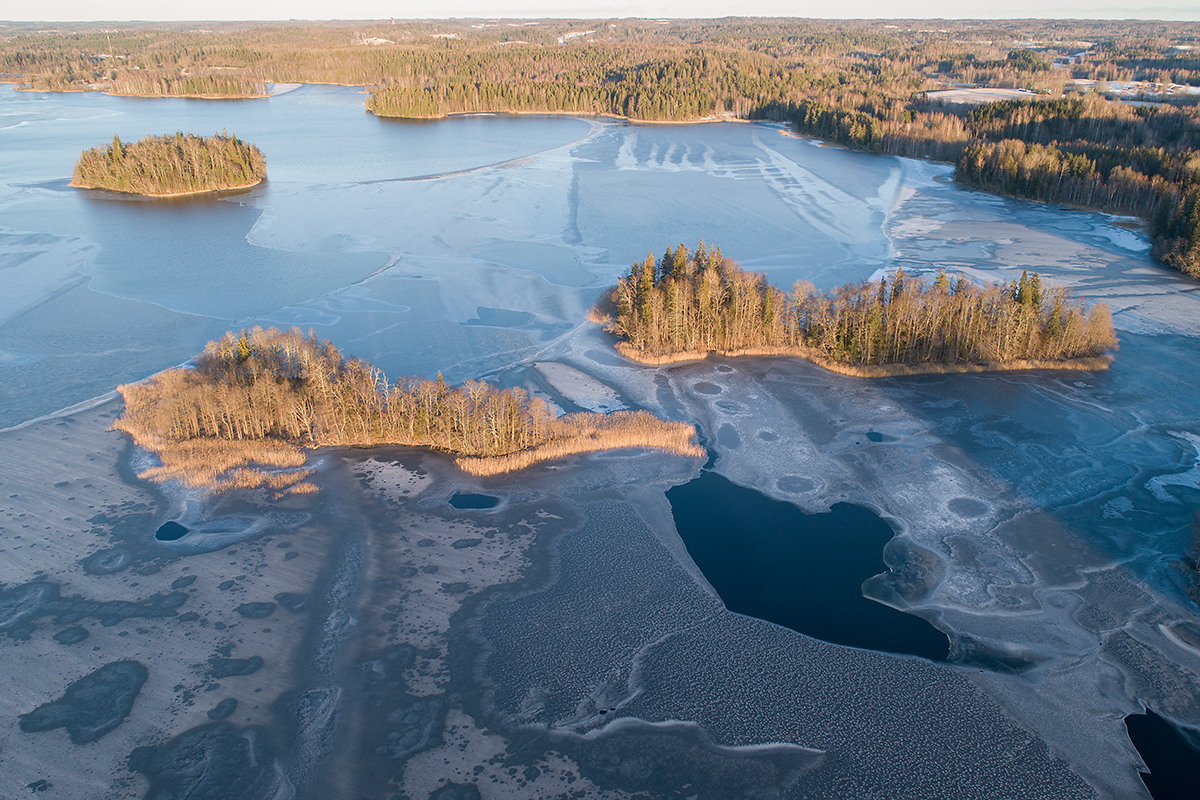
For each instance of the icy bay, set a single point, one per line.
(381, 636)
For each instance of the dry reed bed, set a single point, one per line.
(865, 370)
(221, 464)
(588, 433)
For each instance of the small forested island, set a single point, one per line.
(242, 417)
(689, 304)
(175, 164)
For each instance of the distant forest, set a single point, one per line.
(868, 85)
(178, 163)
(253, 400)
(697, 302)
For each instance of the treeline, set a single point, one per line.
(1086, 119)
(1052, 174)
(166, 85)
(288, 391)
(766, 60)
(889, 126)
(641, 82)
(695, 302)
(760, 63)
(623, 99)
(268, 384)
(173, 164)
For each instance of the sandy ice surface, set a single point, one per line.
(377, 639)
(581, 389)
(62, 510)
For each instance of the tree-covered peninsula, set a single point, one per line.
(243, 415)
(688, 304)
(179, 163)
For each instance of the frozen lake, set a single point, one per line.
(407, 638)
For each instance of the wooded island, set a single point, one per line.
(179, 163)
(689, 304)
(254, 401)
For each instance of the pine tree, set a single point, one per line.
(1024, 294)
(898, 283)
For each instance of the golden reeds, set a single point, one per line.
(866, 370)
(221, 464)
(588, 433)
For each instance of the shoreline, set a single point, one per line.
(283, 467)
(174, 194)
(578, 114)
(185, 96)
(676, 441)
(108, 92)
(866, 370)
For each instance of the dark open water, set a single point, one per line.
(770, 560)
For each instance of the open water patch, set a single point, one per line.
(473, 501)
(170, 531)
(209, 536)
(1172, 755)
(770, 560)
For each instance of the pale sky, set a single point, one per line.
(83, 10)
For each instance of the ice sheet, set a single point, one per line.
(1057, 508)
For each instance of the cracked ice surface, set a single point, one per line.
(1057, 506)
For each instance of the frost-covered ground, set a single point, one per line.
(378, 642)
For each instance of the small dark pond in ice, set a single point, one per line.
(1172, 755)
(461, 500)
(170, 531)
(768, 559)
